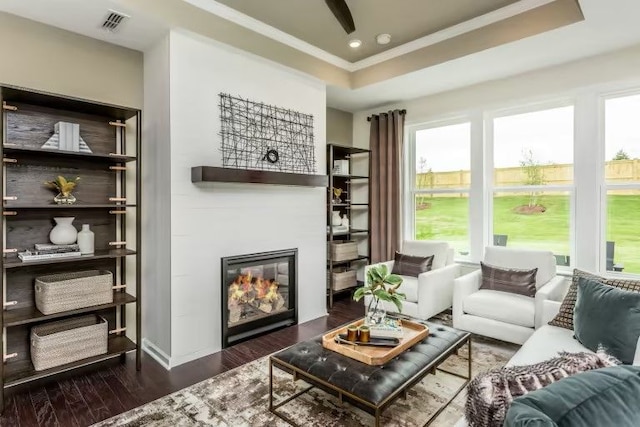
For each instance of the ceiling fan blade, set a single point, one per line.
(341, 11)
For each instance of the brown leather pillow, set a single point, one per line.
(522, 282)
(408, 265)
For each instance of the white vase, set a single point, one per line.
(64, 233)
(335, 218)
(86, 240)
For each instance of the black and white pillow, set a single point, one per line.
(490, 394)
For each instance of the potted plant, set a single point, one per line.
(382, 286)
(64, 187)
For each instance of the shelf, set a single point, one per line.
(360, 258)
(14, 94)
(17, 207)
(350, 176)
(348, 205)
(351, 231)
(347, 150)
(24, 316)
(38, 153)
(22, 371)
(14, 261)
(215, 174)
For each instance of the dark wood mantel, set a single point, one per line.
(215, 174)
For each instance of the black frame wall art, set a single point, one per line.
(259, 136)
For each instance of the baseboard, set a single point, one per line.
(158, 355)
(179, 360)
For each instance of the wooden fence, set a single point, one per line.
(617, 171)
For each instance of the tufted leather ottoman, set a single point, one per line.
(371, 388)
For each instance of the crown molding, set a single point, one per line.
(451, 32)
(269, 31)
(266, 30)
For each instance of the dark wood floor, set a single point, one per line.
(105, 390)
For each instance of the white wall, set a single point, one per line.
(209, 222)
(156, 202)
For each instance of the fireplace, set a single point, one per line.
(258, 294)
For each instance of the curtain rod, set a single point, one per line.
(402, 112)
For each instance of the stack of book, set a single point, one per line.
(49, 251)
(389, 328)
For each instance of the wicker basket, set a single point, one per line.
(65, 341)
(70, 291)
(343, 279)
(343, 250)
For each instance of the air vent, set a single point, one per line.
(113, 20)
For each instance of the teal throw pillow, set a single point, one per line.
(602, 397)
(607, 316)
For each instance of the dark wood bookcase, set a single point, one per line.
(350, 183)
(108, 198)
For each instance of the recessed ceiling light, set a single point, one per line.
(355, 43)
(383, 38)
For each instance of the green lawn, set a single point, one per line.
(446, 218)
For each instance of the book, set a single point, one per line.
(34, 256)
(390, 328)
(51, 247)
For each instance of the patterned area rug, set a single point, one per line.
(240, 398)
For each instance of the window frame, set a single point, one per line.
(604, 186)
(491, 189)
(410, 179)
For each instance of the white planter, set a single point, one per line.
(86, 240)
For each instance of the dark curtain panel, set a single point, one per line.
(385, 140)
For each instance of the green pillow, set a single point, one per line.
(602, 397)
(607, 316)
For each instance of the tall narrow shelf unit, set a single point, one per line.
(108, 197)
(355, 205)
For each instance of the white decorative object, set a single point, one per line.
(335, 218)
(66, 137)
(341, 167)
(86, 240)
(345, 221)
(64, 233)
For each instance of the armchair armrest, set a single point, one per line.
(549, 310)
(463, 287)
(553, 290)
(435, 290)
(636, 359)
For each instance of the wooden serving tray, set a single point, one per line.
(413, 333)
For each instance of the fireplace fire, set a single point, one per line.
(258, 294)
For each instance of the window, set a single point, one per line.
(440, 181)
(533, 181)
(622, 184)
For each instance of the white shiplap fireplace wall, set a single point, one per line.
(209, 221)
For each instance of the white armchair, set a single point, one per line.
(430, 293)
(501, 315)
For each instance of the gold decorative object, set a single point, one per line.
(64, 187)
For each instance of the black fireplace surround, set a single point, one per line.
(258, 294)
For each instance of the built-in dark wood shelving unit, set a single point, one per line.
(108, 194)
(216, 174)
(20, 372)
(346, 207)
(25, 316)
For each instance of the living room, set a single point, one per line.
(230, 141)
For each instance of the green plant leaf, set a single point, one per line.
(384, 271)
(394, 280)
(359, 293)
(397, 302)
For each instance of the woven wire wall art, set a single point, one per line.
(265, 137)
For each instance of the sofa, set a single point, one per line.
(431, 292)
(548, 340)
(506, 316)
